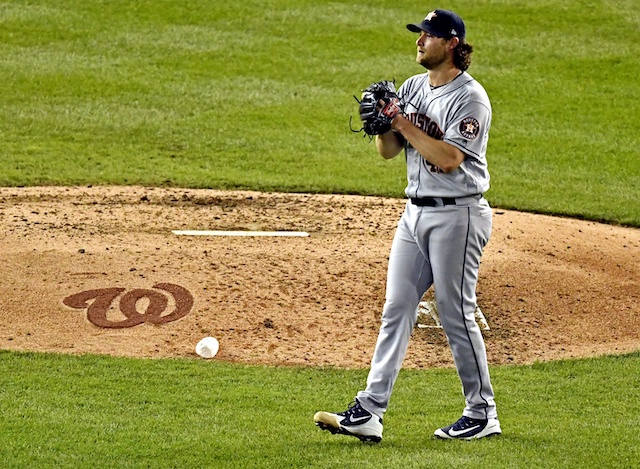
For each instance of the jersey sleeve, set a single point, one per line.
(403, 89)
(469, 129)
(403, 92)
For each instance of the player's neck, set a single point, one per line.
(442, 76)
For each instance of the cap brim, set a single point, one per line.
(414, 28)
(426, 27)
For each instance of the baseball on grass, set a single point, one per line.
(208, 347)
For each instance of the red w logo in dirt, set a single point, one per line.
(98, 304)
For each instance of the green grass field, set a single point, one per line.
(62, 411)
(258, 95)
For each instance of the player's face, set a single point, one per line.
(432, 51)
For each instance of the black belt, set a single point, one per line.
(433, 201)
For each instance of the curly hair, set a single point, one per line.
(462, 55)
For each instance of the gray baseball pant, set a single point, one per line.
(439, 246)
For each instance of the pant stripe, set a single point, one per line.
(466, 328)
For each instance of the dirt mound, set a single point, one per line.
(98, 270)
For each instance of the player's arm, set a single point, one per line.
(388, 144)
(437, 152)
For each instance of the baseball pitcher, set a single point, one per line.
(441, 119)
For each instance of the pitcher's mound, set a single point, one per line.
(98, 270)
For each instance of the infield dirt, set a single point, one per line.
(549, 287)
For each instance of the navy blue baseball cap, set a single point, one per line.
(440, 23)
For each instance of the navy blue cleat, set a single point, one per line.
(355, 421)
(467, 428)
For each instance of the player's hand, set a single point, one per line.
(378, 106)
(389, 107)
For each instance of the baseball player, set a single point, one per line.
(441, 120)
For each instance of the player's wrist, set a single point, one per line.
(398, 122)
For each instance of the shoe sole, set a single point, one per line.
(443, 436)
(324, 423)
(488, 431)
(341, 431)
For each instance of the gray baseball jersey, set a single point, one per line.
(439, 242)
(458, 113)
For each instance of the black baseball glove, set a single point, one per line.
(379, 104)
